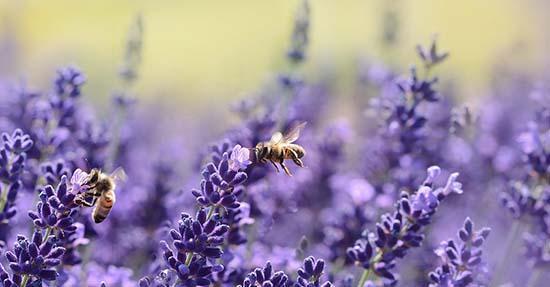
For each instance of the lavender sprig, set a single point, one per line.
(401, 230)
(266, 277)
(528, 199)
(198, 240)
(310, 274)
(300, 34)
(222, 178)
(461, 261)
(32, 260)
(195, 242)
(56, 213)
(56, 210)
(68, 82)
(431, 56)
(12, 162)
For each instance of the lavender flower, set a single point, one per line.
(57, 213)
(199, 236)
(529, 199)
(535, 144)
(537, 249)
(195, 241)
(220, 186)
(54, 171)
(132, 54)
(69, 81)
(430, 56)
(34, 259)
(56, 209)
(401, 230)
(310, 274)
(12, 163)
(236, 219)
(266, 277)
(240, 158)
(409, 139)
(300, 34)
(461, 262)
(247, 215)
(195, 272)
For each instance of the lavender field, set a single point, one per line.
(393, 178)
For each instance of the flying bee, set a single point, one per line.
(101, 191)
(281, 147)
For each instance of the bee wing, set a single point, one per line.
(119, 175)
(276, 138)
(294, 133)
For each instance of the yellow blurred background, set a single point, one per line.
(196, 52)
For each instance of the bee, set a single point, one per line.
(101, 190)
(281, 147)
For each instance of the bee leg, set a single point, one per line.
(82, 202)
(275, 165)
(282, 163)
(295, 159)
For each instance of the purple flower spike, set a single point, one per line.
(461, 262)
(68, 82)
(223, 178)
(266, 277)
(310, 274)
(401, 230)
(13, 158)
(37, 257)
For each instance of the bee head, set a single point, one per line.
(261, 150)
(93, 177)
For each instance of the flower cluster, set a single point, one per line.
(310, 274)
(529, 198)
(300, 37)
(34, 259)
(196, 240)
(220, 186)
(12, 163)
(56, 209)
(266, 277)
(404, 119)
(401, 230)
(461, 261)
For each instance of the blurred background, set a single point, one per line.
(197, 58)
(196, 53)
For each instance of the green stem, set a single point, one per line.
(24, 280)
(48, 232)
(503, 263)
(210, 212)
(364, 278)
(189, 258)
(534, 278)
(4, 197)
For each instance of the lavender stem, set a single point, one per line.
(364, 278)
(189, 258)
(24, 280)
(503, 263)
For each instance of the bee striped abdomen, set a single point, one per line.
(98, 217)
(103, 207)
